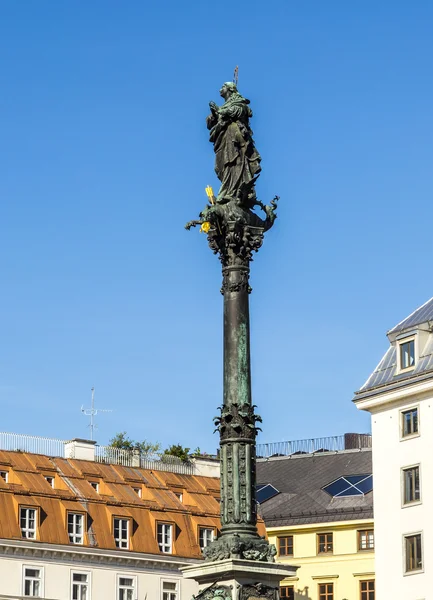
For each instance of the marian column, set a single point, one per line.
(240, 559)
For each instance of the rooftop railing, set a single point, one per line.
(133, 458)
(336, 443)
(33, 444)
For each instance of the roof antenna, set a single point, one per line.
(236, 76)
(92, 412)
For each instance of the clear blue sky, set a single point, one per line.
(104, 156)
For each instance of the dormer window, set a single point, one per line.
(407, 350)
(407, 354)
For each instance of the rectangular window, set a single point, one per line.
(413, 552)
(169, 590)
(137, 491)
(326, 591)
(95, 485)
(324, 543)
(121, 532)
(407, 354)
(367, 589)
(411, 487)
(50, 480)
(287, 591)
(28, 522)
(75, 528)
(4, 476)
(80, 586)
(285, 545)
(164, 534)
(366, 539)
(179, 496)
(125, 588)
(409, 422)
(205, 535)
(32, 582)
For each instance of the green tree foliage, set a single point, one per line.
(179, 451)
(123, 442)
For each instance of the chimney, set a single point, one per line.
(354, 441)
(81, 449)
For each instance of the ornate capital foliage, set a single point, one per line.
(237, 422)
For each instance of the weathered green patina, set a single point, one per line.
(234, 233)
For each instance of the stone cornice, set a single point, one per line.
(93, 556)
(387, 396)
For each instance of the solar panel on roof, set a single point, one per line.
(265, 492)
(366, 485)
(350, 485)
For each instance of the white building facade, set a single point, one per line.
(399, 396)
(59, 573)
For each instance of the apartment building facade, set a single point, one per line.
(318, 511)
(76, 529)
(399, 396)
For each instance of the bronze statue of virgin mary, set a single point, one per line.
(237, 162)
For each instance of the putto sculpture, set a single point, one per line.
(235, 231)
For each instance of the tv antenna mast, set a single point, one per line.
(92, 412)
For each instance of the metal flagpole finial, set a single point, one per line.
(235, 76)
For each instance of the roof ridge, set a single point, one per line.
(409, 316)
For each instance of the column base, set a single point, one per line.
(238, 579)
(237, 543)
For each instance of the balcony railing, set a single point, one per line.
(336, 443)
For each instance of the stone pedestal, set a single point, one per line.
(239, 579)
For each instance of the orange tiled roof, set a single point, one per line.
(27, 487)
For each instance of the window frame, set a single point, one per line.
(88, 582)
(290, 588)
(138, 491)
(404, 470)
(95, 485)
(120, 576)
(50, 480)
(22, 508)
(326, 595)
(6, 475)
(206, 528)
(400, 344)
(41, 579)
(169, 580)
(84, 528)
(285, 537)
(367, 591)
(408, 436)
(128, 533)
(166, 524)
(365, 531)
(325, 552)
(406, 537)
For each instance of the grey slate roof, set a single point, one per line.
(385, 374)
(421, 315)
(300, 480)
